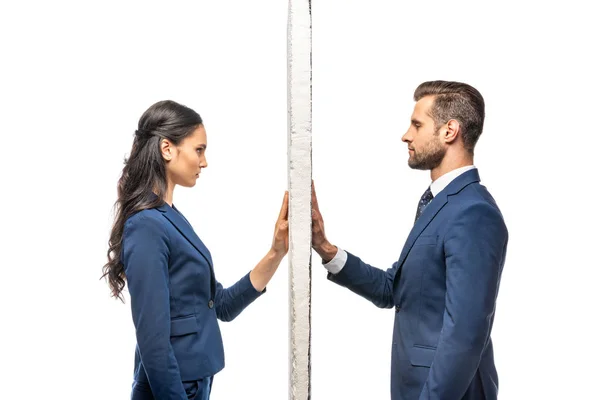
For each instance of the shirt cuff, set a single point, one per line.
(337, 263)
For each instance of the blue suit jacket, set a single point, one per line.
(175, 301)
(444, 288)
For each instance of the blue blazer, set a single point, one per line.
(176, 301)
(444, 288)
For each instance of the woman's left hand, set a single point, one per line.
(264, 270)
(281, 236)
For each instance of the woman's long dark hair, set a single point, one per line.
(144, 174)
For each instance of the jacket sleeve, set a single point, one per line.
(231, 301)
(475, 248)
(145, 258)
(374, 284)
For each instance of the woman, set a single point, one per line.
(175, 297)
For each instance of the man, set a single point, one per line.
(445, 283)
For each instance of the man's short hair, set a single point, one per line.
(459, 101)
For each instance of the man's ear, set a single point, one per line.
(167, 149)
(451, 131)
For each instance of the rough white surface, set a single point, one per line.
(300, 175)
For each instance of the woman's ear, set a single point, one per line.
(166, 149)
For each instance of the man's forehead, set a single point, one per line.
(422, 107)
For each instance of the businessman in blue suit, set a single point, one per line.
(444, 285)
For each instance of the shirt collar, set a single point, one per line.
(440, 183)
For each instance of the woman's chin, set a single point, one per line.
(189, 184)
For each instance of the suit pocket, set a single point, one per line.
(191, 389)
(197, 390)
(184, 325)
(421, 356)
(426, 240)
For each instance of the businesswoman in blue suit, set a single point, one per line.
(175, 297)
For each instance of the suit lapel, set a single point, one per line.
(434, 208)
(430, 211)
(186, 230)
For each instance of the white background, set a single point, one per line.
(76, 76)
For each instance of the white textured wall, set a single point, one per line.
(300, 173)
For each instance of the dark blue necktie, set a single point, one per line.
(425, 200)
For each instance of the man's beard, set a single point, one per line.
(430, 157)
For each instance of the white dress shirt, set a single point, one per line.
(337, 263)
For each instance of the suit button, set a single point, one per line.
(397, 308)
(211, 304)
